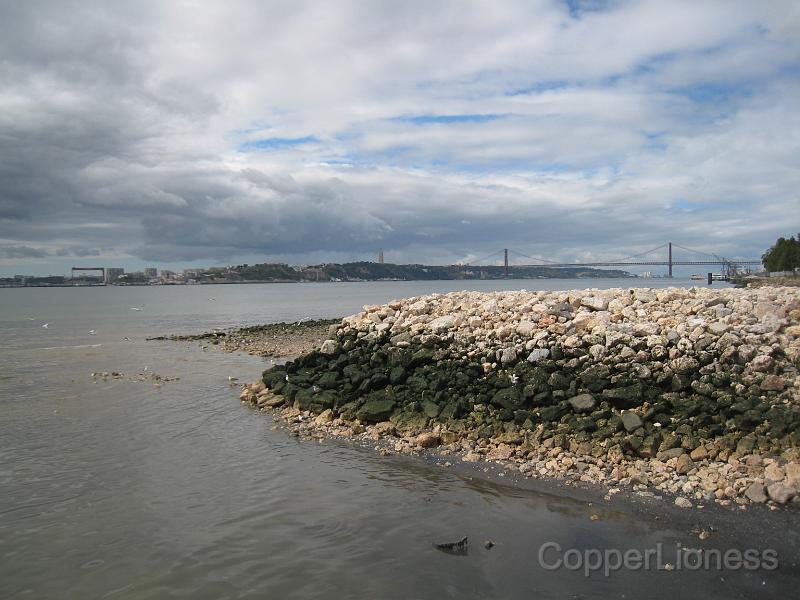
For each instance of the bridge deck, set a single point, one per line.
(665, 263)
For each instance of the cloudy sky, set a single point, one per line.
(196, 132)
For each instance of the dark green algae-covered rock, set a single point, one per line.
(414, 386)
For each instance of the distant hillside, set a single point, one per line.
(370, 271)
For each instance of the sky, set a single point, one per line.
(186, 133)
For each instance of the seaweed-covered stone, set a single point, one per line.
(376, 410)
(304, 398)
(290, 390)
(586, 424)
(409, 421)
(558, 381)
(624, 397)
(328, 381)
(322, 401)
(397, 375)
(595, 377)
(553, 413)
(270, 378)
(355, 374)
(631, 421)
(583, 403)
(508, 398)
(421, 357)
(431, 409)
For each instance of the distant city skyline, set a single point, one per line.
(186, 135)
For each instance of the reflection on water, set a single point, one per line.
(120, 489)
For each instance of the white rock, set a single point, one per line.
(595, 302)
(442, 323)
(526, 328)
(328, 347)
(538, 354)
(780, 493)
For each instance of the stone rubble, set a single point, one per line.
(145, 376)
(277, 340)
(692, 393)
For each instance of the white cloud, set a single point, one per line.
(148, 117)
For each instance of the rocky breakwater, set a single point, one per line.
(688, 392)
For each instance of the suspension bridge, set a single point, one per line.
(729, 266)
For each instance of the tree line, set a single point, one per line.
(783, 256)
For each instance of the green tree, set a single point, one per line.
(783, 256)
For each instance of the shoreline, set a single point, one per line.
(272, 340)
(745, 460)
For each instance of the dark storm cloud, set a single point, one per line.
(29, 252)
(21, 252)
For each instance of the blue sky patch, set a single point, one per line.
(684, 205)
(448, 119)
(714, 93)
(579, 7)
(276, 143)
(539, 87)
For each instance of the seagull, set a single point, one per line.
(135, 308)
(46, 325)
(92, 332)
(230, 378)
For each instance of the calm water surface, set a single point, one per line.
(122, 489)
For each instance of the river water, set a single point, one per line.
(123, 489)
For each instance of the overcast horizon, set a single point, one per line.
(183, 134)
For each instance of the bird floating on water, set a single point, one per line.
(135, 308)
(46, 325)
(92, 332)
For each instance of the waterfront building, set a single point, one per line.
(113, 273)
